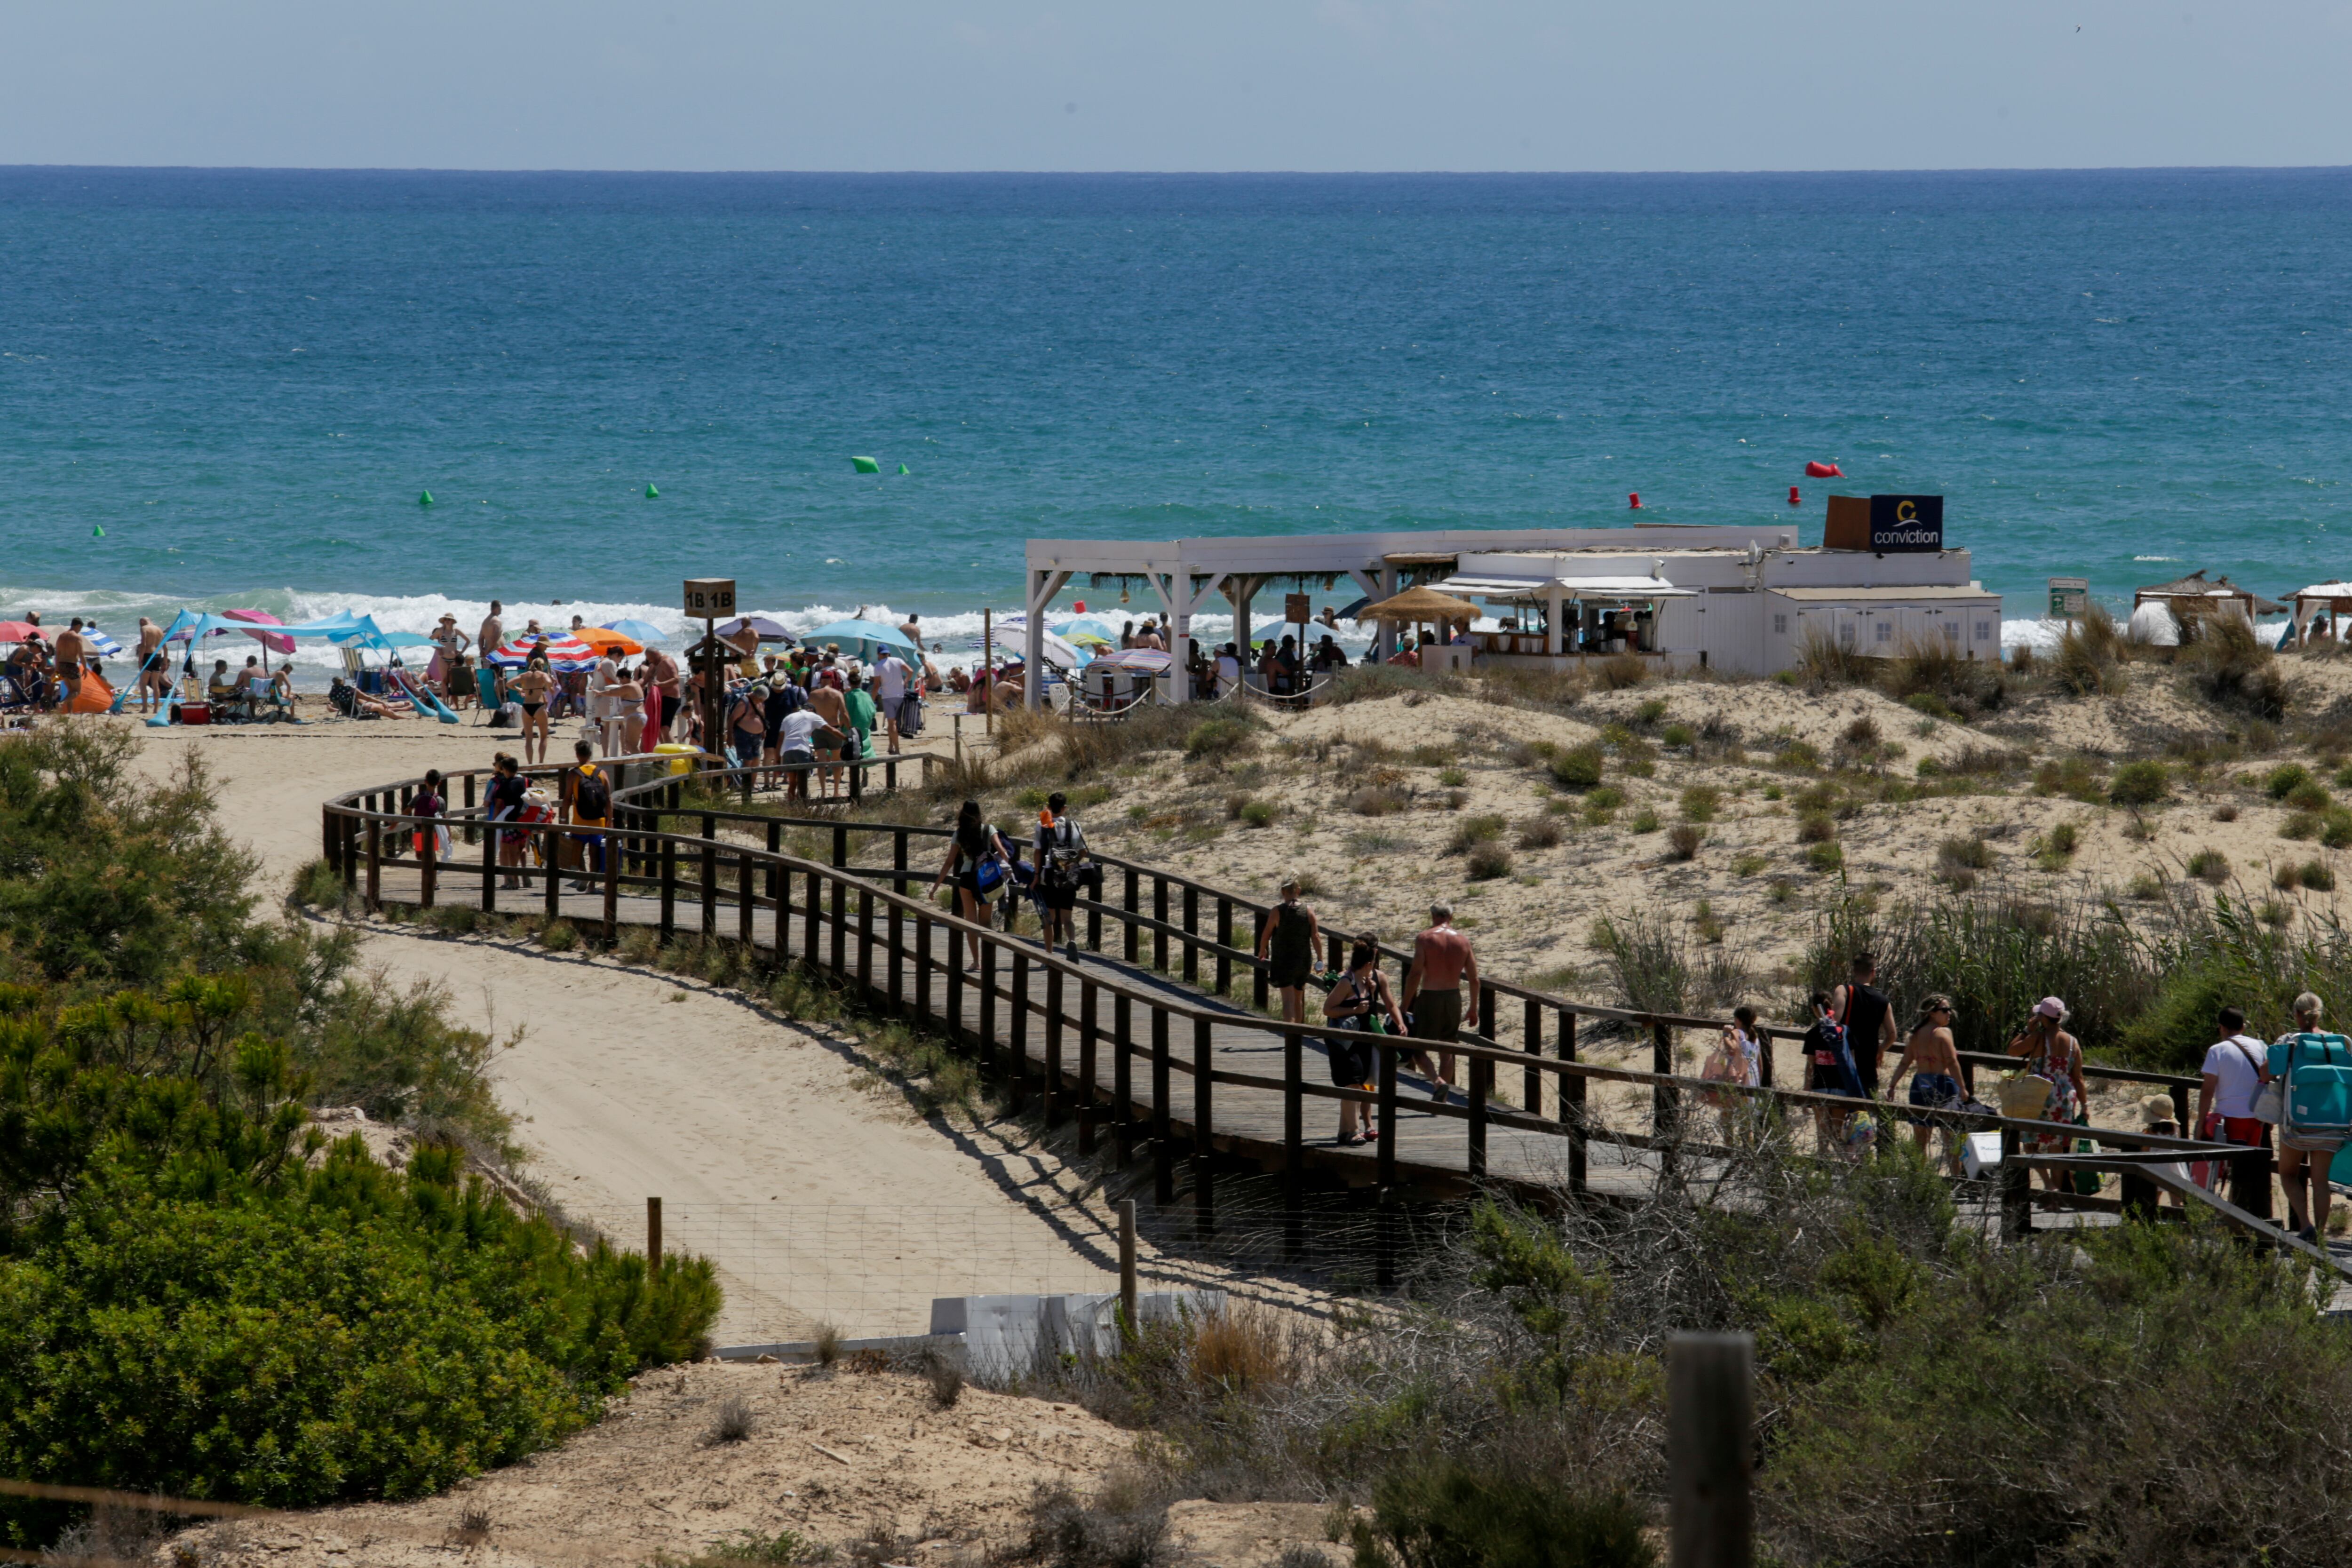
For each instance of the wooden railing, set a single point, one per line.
(846, 913)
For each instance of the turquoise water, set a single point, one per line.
(247, 378)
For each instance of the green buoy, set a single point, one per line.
(865, 464)
(97, 530)
(425, 499)
(902, 468)
(651, 492)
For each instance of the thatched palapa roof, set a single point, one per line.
(1419, 604)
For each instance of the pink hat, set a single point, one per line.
(2051, 1007)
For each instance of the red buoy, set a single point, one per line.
(1636, 500)
(1793, 499)
(1080, 606)
(1823, 471)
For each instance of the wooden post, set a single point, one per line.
(668, 887)
(471, 834)
(1128, 902)
(1159, 913)
(1224, 939)
(955, 985)
(1053, 1093)
(897, 958)
(1385, 1148)
(1122, 1076)
(898, 858)
(2016, 1189)
(1204, 1214)
(747, 899)
(552, 885)
(923, 973)
(840, 845)
(1531, 1042)
(1294, 1139)
(988, 1001)
(811, 917)
(1163, 1132)
(374, 865)
(1017, 1033)
(1482, 1072)
(1191, 931)
(612, 887)
(1257, 971)
(866, 936)
(777, 878)
(1570, 1107)
(1094, 919)
(1129, 1306)
(653, 1239)
(839, 886)
(1086, 1038)
(1710, 1449)
(1665, 1101)
(709, 876)
(428, 862)
(490, 868)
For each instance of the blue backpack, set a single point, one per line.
(2316, 1100)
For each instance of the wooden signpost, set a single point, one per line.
(711, 599)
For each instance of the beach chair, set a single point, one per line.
(486, 694)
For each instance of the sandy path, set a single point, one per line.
(819, 1193)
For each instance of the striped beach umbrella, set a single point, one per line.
(564, 652)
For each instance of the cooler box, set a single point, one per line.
(1981, 1155)
(193, 714)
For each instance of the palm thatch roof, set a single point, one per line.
(1416, 604)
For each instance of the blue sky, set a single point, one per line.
(1203, 85)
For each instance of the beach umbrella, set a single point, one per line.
(1061, 654)
(603, 640)
(760, 627)
(17, 631)
(564, 652)
(866, 639)
(1136, 661)
(1087, 639)
(99, 643)
(1419, 605)
(1095, 627)
(644, 631)
(275, 642)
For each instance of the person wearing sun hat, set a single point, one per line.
(2051, 1053)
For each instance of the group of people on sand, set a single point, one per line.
(44, 672)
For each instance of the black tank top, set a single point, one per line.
(1291, 946)
(1865, 1021)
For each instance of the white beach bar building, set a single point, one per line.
(1738, 598)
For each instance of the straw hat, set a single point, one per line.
(2158, 1109)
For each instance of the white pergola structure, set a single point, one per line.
(1186, 573)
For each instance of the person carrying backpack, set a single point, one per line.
(588, 797)
(1830, 1070)
(2313, 1071)
(1062, 869)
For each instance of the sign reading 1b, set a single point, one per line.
(709, 598)
(1907, 522)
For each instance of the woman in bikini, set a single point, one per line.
(2054, 1054)
(1934, 1062)
(533, 688)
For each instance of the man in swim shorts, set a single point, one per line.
(1442, 963)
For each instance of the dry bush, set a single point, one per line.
(1374, 800)
(1621, 672)
(1823, 664)
(733, 1421)
(1243, 1348)
(2230, 665)
(2090, 656)
(1682, 840)
(1487, 862)
(1539, 832)
(1934, 674)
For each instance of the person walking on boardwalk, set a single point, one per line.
(2051, 1053)
(587, 802)
(1360, 1004)
(977, 864)
(1287, 948)
(1061, 868)
(2305, 1155)
(2233, 1076)
(1933, 1060)
(508, 787)
(1868, 1017)
(1442, 963)
(1830, 1069)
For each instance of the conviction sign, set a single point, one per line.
(1907, 522)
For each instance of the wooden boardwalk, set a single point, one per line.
(1139, 1038)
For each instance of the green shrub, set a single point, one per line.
(2139, 783)
(1825, 857)
(1700, 802)
(2235, 669)
(1450, 1514)
(1452, 778)
(1969, 853)
(1645, 821)
(2286, 779)
(558, 936)
(2318, 876)
(2301, 825)
(1259, 813)
(1488, 861)
(1749, 865)
(458, 920)
(2209, 866)
(1217, 739)
(2310, 795)
(1679, 736)
(1815, 827)
(1772, 792)
(2076, 777)
(1578, 767)
(318, 885)
(1473, 831)
(2335, 830)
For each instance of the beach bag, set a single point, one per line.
(2086, 1184)
(993, 868)
(2025, 1097)
(2315, 1106)
(1724, 1065)
(507, 717)
(591, 797)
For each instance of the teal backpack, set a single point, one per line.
(2316, 1101)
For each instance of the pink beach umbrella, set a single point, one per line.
(271, 640)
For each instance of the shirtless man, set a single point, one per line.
(1933, 1059)
(828, 704)
(494, 629)
(71, 652)
(154, 669)
(535, 687)
(1441, 961)
(661, 681)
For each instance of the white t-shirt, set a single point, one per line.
(2232, 1064)
(892, 674)
(799, 733)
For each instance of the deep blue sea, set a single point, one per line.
(245, 378)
